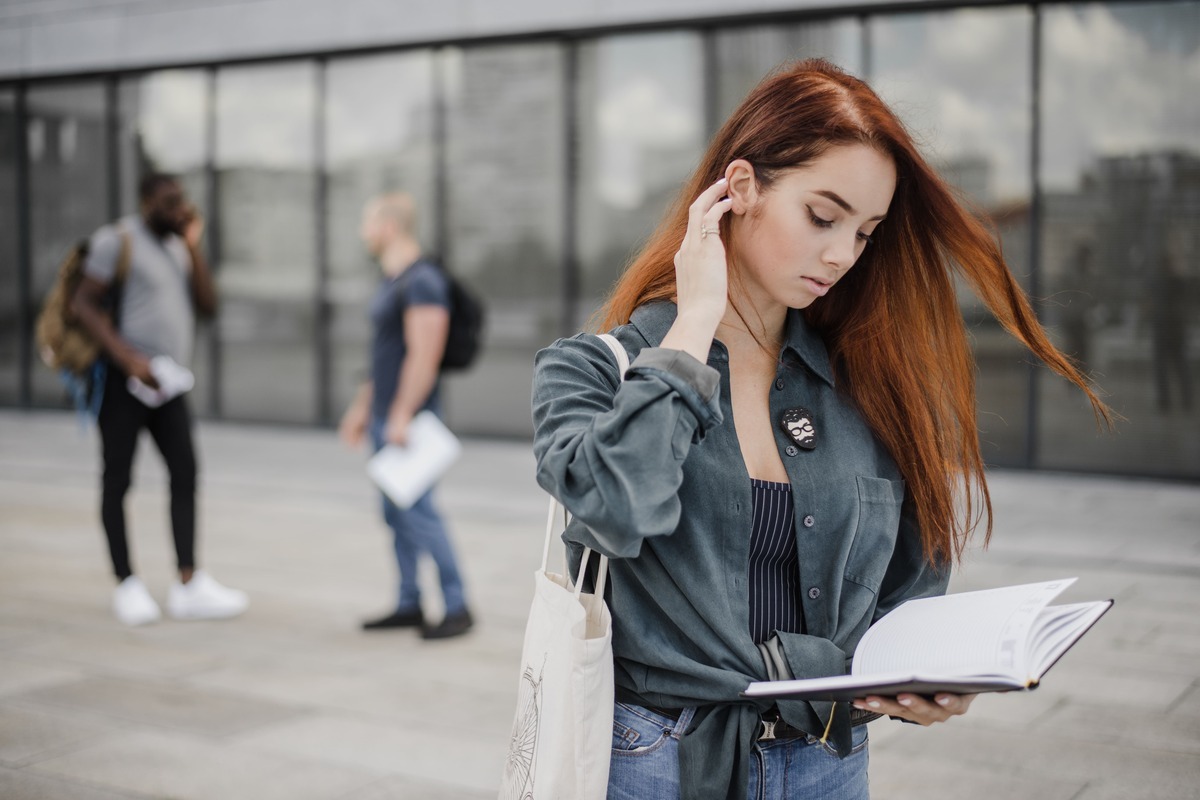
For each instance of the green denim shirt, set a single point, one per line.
(652, 471)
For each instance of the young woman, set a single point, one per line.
(793, 452)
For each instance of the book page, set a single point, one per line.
(983, 632)
(1059, 627)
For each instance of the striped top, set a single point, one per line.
(774, 563)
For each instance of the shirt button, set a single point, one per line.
(791, 450)
(809, 521)
(814, 593)
(779, 383)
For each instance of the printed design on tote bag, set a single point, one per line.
(522, 746)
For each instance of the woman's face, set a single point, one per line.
(795, 240)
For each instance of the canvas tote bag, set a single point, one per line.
(562, 732)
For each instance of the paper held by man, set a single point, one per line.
(406, 473)
(993, 640)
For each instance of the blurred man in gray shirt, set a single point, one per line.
(146, 348)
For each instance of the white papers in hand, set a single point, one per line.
(173, 380)
(406, 473)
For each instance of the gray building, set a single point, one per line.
(544, 139)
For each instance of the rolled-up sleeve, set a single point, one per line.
(613, 452)
(696, 383)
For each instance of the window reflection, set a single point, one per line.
(505, 187)
(266, 264)
(68, 174)
(746, 55)
(10, 301)
(1121, 243)
(379, 117)
(641, 132)
(961, 83)
(162, 129)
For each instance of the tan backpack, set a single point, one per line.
(63, 342)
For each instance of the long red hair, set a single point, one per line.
(892, 326)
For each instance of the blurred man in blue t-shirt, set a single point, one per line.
(410, 318)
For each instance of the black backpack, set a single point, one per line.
(465, 339)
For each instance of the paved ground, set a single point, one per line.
(292, 701)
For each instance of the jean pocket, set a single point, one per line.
(858, 742)
(639, 731)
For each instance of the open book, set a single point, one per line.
(406, 473)
(989, 641)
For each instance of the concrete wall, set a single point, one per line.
(49, 37)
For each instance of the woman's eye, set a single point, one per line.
(820, 223)
(865, 237)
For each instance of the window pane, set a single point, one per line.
(641, 132)
(10, 299)
(162, 129)
(267, 273)
(379, 116)
(505, 190)
(961, 82)
(746, 55)
(67, 143)
(1121, 232)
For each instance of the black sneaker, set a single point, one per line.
(397, 619)
(452, 625)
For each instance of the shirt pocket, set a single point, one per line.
(879, 504)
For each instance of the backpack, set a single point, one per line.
(465, 338)
(64, 344)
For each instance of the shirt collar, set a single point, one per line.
(808, 345)
(655, 319)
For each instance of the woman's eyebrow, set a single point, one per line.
(836, 198)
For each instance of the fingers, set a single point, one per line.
(701, 279)
(918, 709)
(705, 212)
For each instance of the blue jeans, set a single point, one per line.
(645, 762)
(416, 529)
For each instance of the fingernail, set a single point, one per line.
(873, 703)
(904, 701)
(943, 701)
(860, 706)
(723, 180)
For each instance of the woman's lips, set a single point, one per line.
(816, 287)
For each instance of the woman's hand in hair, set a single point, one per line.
(701, 275)
(915, 708)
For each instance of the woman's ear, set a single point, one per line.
(743, 186)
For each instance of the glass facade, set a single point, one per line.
(67, 144)
(265, 160)
(10, 277)
(1120, 243)
(505, 184)
(539, 165)
(962, 82)
(641, 131)
(379, 123)
(745, 55)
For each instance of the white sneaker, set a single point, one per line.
(203, 598)
(133, 604)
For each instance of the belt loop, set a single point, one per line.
(681, 724)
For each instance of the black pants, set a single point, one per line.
(122, 417)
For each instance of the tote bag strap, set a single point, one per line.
(558, 510)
